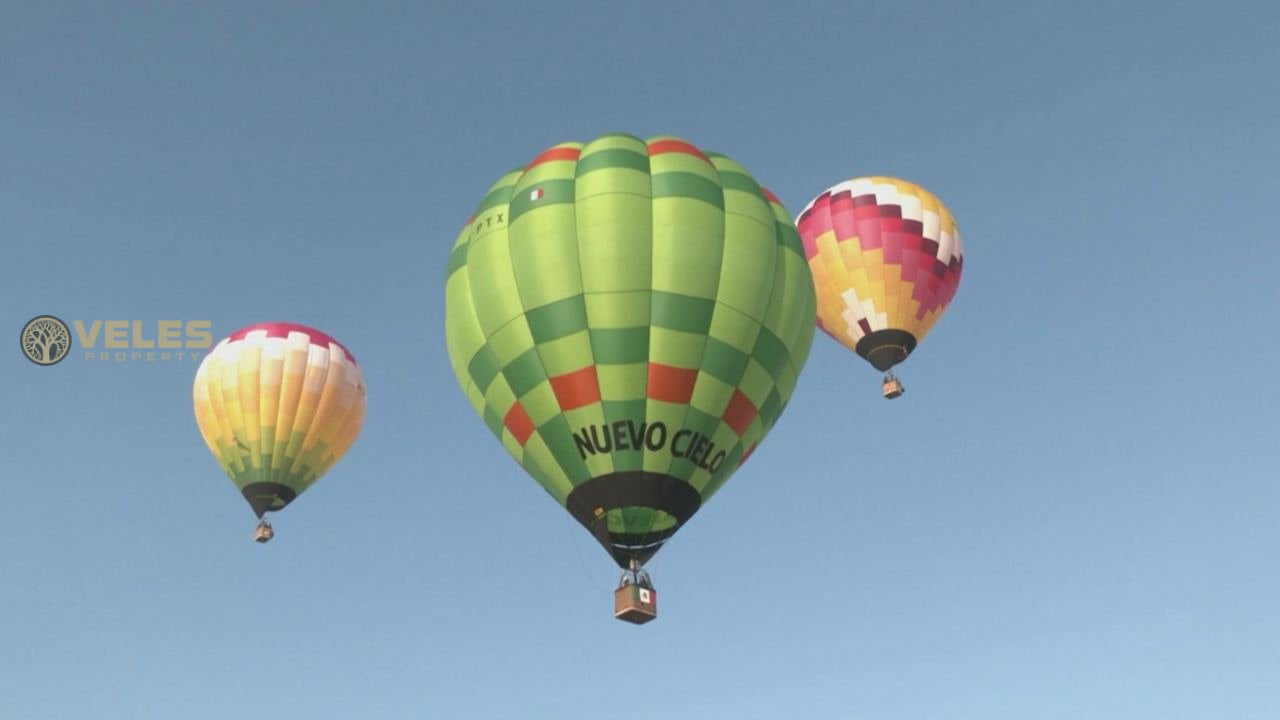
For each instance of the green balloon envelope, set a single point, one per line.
(629, 317)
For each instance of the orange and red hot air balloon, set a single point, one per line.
(886, 259)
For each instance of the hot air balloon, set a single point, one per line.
(278, 404)
(886, 259)
(629, 318)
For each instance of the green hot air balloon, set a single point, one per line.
(629, 317)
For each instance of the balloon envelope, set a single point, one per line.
(629, 317)
(886, 258)
(278, 404)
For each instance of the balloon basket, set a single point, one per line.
(263, 533)
(635, 604)
(892, 387)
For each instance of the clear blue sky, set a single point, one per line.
(1071, 514)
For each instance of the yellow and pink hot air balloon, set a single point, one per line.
(886, 258)
(278, 404)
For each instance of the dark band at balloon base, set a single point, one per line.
(267, 497)
(589, 502)
(886, 348)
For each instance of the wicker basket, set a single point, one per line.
(635, 604)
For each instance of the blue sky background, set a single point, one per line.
(1071, 514)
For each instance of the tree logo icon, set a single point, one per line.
(45, 339)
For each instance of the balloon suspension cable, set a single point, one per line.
(635, 575)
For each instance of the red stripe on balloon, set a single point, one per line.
(739, 413)
(670, 384)
(678, 146)
(576, 389)
(518, 423)
(555, 153)
(282, 330)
